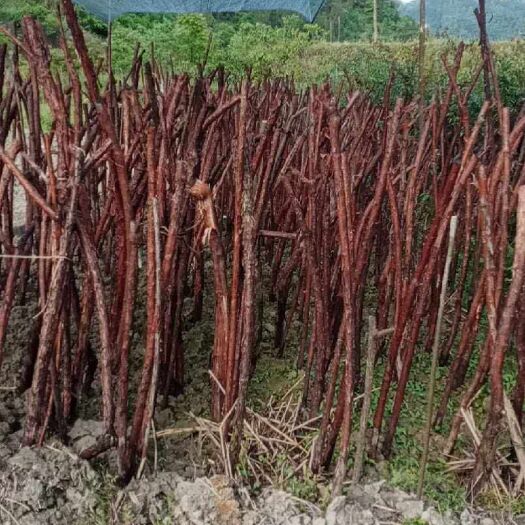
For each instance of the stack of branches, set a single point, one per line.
(276, 443)
(505, 478)
(329, 206)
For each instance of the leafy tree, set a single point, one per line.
(176, 39)
(353, 20)
(45, 12)
(268, 50)
(13, 11)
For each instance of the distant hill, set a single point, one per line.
(505, 18)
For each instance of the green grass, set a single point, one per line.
(105, 490)
(415, 521)
(441, 487)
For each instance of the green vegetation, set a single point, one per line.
(415, 521)
(441, 486)
(352, 20)
(280, 45)
(182, 42)
(274, 44)
(13, 11)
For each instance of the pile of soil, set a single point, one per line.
(53, 485)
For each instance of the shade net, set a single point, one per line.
(111, 9)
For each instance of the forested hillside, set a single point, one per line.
(505, 18)
(263, 41)
(340, 19)
(337, 46)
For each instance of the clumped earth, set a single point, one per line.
(53, 485)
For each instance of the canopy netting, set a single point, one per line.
(111, 9)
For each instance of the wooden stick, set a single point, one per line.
(30, 189)
(435, 355)
(369, 376)
(517, 440)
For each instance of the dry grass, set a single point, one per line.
(506, 476)
(276, 444)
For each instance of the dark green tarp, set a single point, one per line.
(111, 9)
